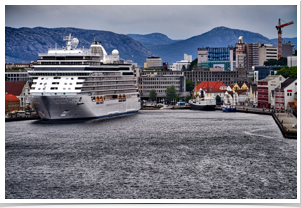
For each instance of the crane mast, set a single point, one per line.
(278, 27)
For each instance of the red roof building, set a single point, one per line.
(212, 87)
(14, 87)
(11, 103)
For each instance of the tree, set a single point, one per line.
(271, 62)
(189, 85)
(177, 97)
(282, 61)
(288, 72)
(218, 99)
(193, 64)
(188, 97)
(171, 92)
(153, 95)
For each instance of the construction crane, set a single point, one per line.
(278, 27)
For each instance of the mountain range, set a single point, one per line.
(24, 44)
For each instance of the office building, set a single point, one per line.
(285, 94)
(215, 74)
(17, 75)
(291, 61)
(266, 51)
(266, 87)
(252, 55)
(288, 49)
(214, 56)
(182, 65)
(261, 72)
(160, 80)
(153, 62)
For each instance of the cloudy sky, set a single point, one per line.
(177, 22)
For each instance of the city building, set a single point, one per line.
(18, 65)
(266, 51)
(284, 94)
(20, 89)
(252, 93)
(241, 54)
(153, 62)
(261, 72)
(265, 87)
(17, 75)
(182, 65)
(288, 49)
(291, 61)
(252, 55)
(217, 57)
(224, 65)
(12, 103)
(160, 80)
(202, 55)
(216, 74)
(213, 88)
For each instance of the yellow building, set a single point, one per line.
(240, 86)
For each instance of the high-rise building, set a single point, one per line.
(266, 52)
(288, 49)
(241, 54)
(153, 61)
(216, 55)
(252, 55)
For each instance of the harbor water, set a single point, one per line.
(168, 154)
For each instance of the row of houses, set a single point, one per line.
(274, 92)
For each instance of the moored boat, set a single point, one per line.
(227, 107)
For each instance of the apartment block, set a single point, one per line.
(267, 51)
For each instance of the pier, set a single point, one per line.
(286, 122)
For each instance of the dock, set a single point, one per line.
(286, 122)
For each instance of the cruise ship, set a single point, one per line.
(78, 83)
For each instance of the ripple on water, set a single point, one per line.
(152, 154)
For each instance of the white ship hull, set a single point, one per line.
(207, 104)
(80, 107)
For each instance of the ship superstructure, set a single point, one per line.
(201, 101)
(73, 83)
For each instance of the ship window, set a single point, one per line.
(64, 88)
(56, 77)
(71, 78)
(67, 78)
(42, 78)
(39, 88)
(65, 83)
(41, 83)
(69, 88)
(70, 83)
(53, 88)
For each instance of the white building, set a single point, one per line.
(267, 51)
(179, 65)
(152, 62)
(291, 61)
(284, 93)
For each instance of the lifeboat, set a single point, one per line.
(97, 99)
(123, 96)
(119, 97)
(100, 99)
